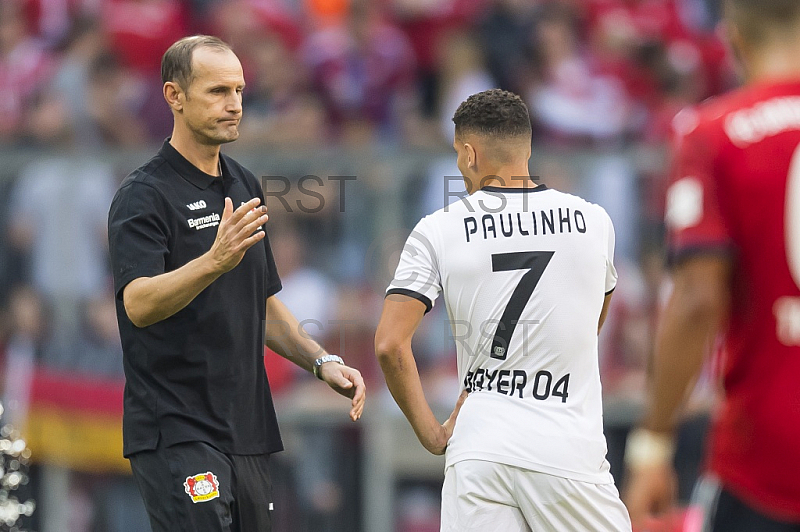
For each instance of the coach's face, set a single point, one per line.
(211, 106)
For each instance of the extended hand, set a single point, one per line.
(436, 443)
(238, 231)
(346, 381)
(649, 491)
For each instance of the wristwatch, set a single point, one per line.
(323, 359)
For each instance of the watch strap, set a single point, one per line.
(322, 360)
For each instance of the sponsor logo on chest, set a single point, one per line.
(197, 205)
(212, 220)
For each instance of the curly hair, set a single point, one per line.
(495, 113)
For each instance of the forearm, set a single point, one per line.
(402, 378)
(681, 346)
(284, 335)
(149, 300)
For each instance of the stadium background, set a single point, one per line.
(356, 88)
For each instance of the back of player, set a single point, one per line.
(526, 275)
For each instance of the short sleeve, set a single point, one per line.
(138, 234)
(417, 274)
(694, 217)
(611, 270)
(273, 281)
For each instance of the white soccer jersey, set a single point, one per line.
(524, 273)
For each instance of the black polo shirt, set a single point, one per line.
(199, 374)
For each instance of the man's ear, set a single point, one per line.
(174, 95)
(472, 155)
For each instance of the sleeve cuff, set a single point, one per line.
(274, 289)
(416, 295)
(125, 279)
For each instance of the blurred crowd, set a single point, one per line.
(359, 71)
(81, 78)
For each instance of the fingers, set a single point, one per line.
(245, 222)
(359, 398)
(649, 493)
(228, 210)
(254, 225)
(459, 403)
(244, 209)
(248, 242)
(348, 382)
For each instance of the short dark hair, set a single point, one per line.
(176, 64)
(755, 19)
(495, 113)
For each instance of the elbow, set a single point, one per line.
(139, 319)
(138, 316)
(389, 352)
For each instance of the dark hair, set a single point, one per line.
(495, 112)
(755, 19)
(176, 65)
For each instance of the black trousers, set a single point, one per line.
(193, 487)
(725, 512)
(734, 515)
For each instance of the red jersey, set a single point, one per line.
(736, 190)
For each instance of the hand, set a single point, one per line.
(649, 491)
(238, 231)
(346, 381)
(437, 442)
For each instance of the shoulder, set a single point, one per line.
(577, 202)
(142, 188)
(150, 174)
(724, 118)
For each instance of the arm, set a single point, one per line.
(604, 311)
(149, 300)
(698, 305)
(399, 321)
(284, 335)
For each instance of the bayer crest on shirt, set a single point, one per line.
(203, 487)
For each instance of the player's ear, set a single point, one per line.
(174, 95)
(472, 155)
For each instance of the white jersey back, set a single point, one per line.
(524, 273)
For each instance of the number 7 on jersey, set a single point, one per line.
(533, 261)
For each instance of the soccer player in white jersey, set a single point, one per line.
(526, 275)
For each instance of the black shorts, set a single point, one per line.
(193, 487)
(723, 511)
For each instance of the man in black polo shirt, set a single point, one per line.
(195, 283)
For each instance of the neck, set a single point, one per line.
(510, 176)
(205, 157)
(774, 63)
